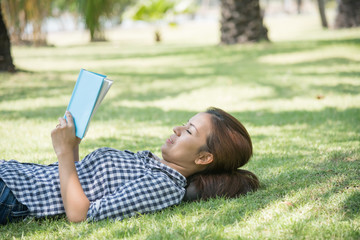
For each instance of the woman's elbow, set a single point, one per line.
(75, 218)
(77, 211)
(77, 214)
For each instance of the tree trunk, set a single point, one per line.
(321, 5)
(241, 21)
(348, 14)
(6, 63)
(299, 6)
(157, 36)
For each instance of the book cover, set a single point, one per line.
(90, 89)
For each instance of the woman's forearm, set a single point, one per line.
(75, 202)
(76, 153)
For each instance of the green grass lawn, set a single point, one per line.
(300, 101)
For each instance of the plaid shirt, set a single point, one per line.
(117, 183)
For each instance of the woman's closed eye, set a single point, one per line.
(187, 130)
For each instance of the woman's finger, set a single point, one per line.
(62, 122)
(70, 120)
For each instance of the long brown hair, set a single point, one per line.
(231, 147)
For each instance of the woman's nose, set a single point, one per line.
(177, 130)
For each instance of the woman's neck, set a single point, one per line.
(183, 171)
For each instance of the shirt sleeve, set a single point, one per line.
(150, 193)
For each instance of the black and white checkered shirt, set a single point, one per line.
(118, 184)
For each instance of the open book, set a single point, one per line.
(90, 89)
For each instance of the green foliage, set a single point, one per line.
(300, 101)
(64, 6)
(92, 11)
(153, 10)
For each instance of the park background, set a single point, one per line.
(298, 95)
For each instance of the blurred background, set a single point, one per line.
(67, 22)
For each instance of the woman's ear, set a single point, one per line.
(204, 158)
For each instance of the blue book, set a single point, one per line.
(90, 89)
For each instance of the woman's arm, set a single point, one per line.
(76, 153)
(149, 193)
(66, 145)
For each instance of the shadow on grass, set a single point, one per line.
(348, 117)
(36, 85)
(352, 205)
(226, 213)
(238, 63)
(220, 212)
(341, 88)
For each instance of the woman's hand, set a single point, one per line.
(63, 136)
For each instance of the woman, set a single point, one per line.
(115, 184)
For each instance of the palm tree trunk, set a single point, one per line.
(242, 21)
(348, 14)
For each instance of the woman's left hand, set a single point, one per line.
(63, 136)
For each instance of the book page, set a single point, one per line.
(104, 89)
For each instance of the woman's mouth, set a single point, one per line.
(169, 140)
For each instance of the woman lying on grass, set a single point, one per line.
(115, 184)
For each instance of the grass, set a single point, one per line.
(300, 101)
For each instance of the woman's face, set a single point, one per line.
(182, 147)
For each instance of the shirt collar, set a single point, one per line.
(177, 177)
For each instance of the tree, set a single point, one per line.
(241, 21)
(37, 11)
(20, 13)
(321, 6)
(33, 13)
(299, 5)
(348, 14)
(6, 63)
(92, 10)
(14, 15)
(95, 11)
